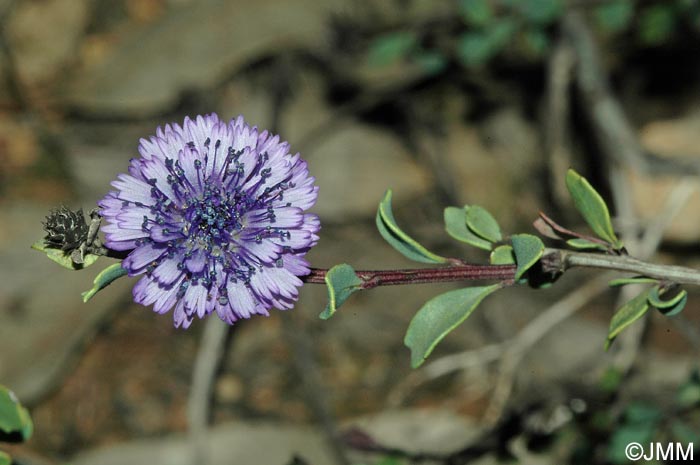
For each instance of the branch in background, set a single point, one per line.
(615, 133)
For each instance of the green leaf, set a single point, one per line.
(104, 279)
(483, 224)
(62, 258)
(584, 244)
(456, 226)
(688, 394)
(476, 12)
(390, 48)
(502, 255)
(670, 307)
(390, 231)
(655, 299)
(341, 282)
(475, 48)
(684, 433)
(528, 250)
(536, 41)
(634, 280)
(439, 316)
(656, 24)
(541, 11)
(432, 62)
(14, 419)
(5, 459)
(627, 314)
(614, 16)
(592, 207)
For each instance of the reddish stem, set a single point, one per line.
(374, 278)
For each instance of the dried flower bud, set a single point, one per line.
(65, 229)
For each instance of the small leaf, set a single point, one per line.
(482, 223)
(528, 250)
(592, 207)
(104, 279)
(5, 459)
(614, 16)
(390, 48)
(476, 12)
(475, 48)
(390, 231)
(63, 259)
(341, 282)
(432, 62)
(655, 299)
(541, 11)
(456, 226)
(584, 244)
(439, 316)
(14, 419)
(634, 280)
(502, 255)
(656, 24)
(670, 307)
(536, 41)
(688, 394)
(627, 314)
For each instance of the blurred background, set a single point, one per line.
(447, 102)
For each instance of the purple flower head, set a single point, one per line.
(213, 216)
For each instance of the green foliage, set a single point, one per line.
(628, 314)
(614, 16)
(456, 226)
(439, 316)
(672, 306)
(476, 12)
(688, 395)
(585, 244)
(390, 231)
(536, 41)
(431, 61)
(541, 11)
(5, 459)
(341, 282)
(483, 224)
(656, 24)
(502, 255)
(104, 279)
(639, 424)
(592, 207)
(634, 280)
(390, 48)
(63, 259)
(14, 418)
(475, 48)
(528, 249)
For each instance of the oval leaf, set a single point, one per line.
(456, 226)
(104, 279)
(528, 250)
(482, 223)
(63, 259)
(390, 231)
(15, 421)
(502, 255)
(476, 12)
(627, 314)
(592, 207)
(390, 48)
(439, 316)
(341, 282)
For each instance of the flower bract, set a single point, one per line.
(213, 215)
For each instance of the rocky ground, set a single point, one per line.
(108, 381)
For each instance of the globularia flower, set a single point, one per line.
(213, 214)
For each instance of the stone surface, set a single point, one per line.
(191, 47)
(44, 36)
(679, 137)
(354, 165)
